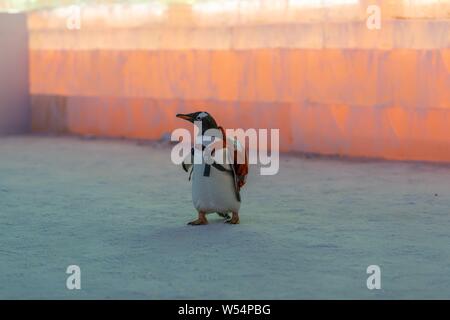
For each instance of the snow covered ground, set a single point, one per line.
(118, 209)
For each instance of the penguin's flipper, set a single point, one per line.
(188, 161)
(185, 166)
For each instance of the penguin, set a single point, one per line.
(215, 187)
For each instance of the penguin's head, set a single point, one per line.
(206, 119)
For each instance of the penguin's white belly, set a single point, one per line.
(213, 193)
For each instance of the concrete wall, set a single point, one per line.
(14, 84)
(331, 85)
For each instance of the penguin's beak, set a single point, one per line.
(189, 117)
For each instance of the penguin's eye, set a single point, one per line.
(201, 116)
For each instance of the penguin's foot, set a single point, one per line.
(234, 219)
(224, 215)
(200, 221)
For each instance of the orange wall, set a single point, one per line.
(329, 84)
(373, 103)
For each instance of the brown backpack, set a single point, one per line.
(240, 169)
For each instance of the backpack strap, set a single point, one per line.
(190, 173)
(221, 167)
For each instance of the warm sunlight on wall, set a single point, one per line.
(317, 72)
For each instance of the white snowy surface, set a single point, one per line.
(118, 209)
